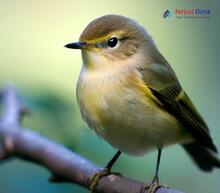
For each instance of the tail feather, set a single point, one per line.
(206, 159)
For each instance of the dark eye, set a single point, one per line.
(112, 42)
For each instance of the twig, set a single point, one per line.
(64, 164)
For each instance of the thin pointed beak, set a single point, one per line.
(75, 45)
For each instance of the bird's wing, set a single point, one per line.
(162, 81)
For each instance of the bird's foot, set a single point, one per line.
(93, 181)
(153, 187)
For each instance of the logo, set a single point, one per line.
(166, 14)
(193, 13)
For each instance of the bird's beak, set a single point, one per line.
(75, 45)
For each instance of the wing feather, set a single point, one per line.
(165, 87)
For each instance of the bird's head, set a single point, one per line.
(111, 39)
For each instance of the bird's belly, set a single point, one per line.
(137, 130)
(128, 119)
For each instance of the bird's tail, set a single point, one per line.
(203, 157)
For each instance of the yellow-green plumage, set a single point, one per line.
(125, 115)
(131, 97)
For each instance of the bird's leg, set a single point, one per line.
(155, 182)
(154, 186)
(104, 172)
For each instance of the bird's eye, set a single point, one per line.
(112, 42)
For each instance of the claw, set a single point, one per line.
(98, 175)
(153, 187)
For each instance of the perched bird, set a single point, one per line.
(129, 95)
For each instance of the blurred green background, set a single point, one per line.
(33, 34)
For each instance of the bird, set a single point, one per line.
(129, 95)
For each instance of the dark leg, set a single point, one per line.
(104, 172)
(113, 160)
(154, 186)
(158, 164)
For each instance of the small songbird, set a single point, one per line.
(129, 95)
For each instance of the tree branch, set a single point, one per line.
(64, 164)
